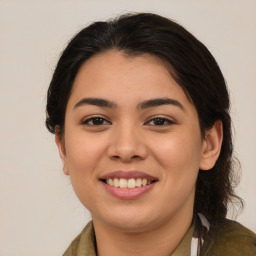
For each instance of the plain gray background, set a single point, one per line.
(39, 212)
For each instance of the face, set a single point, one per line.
(132, 144)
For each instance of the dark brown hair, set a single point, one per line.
(192, 66)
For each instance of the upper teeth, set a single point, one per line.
(128, 183)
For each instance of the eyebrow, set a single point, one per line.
(143, 105)
(159, 102)
(96, 102)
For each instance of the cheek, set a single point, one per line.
(179, 155)
(178, 149)
(83, 154)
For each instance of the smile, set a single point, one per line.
(128, 183)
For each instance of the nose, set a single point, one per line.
(126, 144)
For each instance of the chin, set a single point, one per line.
(130, 220)
(131, 226)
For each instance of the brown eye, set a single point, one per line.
(159, 121)
(96, 121)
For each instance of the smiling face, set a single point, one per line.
(129, 124)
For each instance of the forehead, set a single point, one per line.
(114, 65)
(118, 62)
(125, 78)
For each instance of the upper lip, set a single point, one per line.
(134, 174)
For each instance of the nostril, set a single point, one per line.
(133, 157)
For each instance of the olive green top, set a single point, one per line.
(227, 238)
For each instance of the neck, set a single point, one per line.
(161, 240)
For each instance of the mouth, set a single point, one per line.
(128, 184)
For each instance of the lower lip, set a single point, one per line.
(128, 193)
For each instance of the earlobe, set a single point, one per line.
(211, 146)
(62, 151)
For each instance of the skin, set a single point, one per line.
(129, 138)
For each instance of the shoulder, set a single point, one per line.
(228, 237)
(83, 244)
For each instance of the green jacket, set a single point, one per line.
(227, 238)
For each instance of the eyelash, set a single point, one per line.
(157, 121)
(164, 121)
(93, 119)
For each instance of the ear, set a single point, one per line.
(211, 146)
(62, 151)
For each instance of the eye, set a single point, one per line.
(95, 121)
(160, 121)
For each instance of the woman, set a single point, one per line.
(140, 112)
